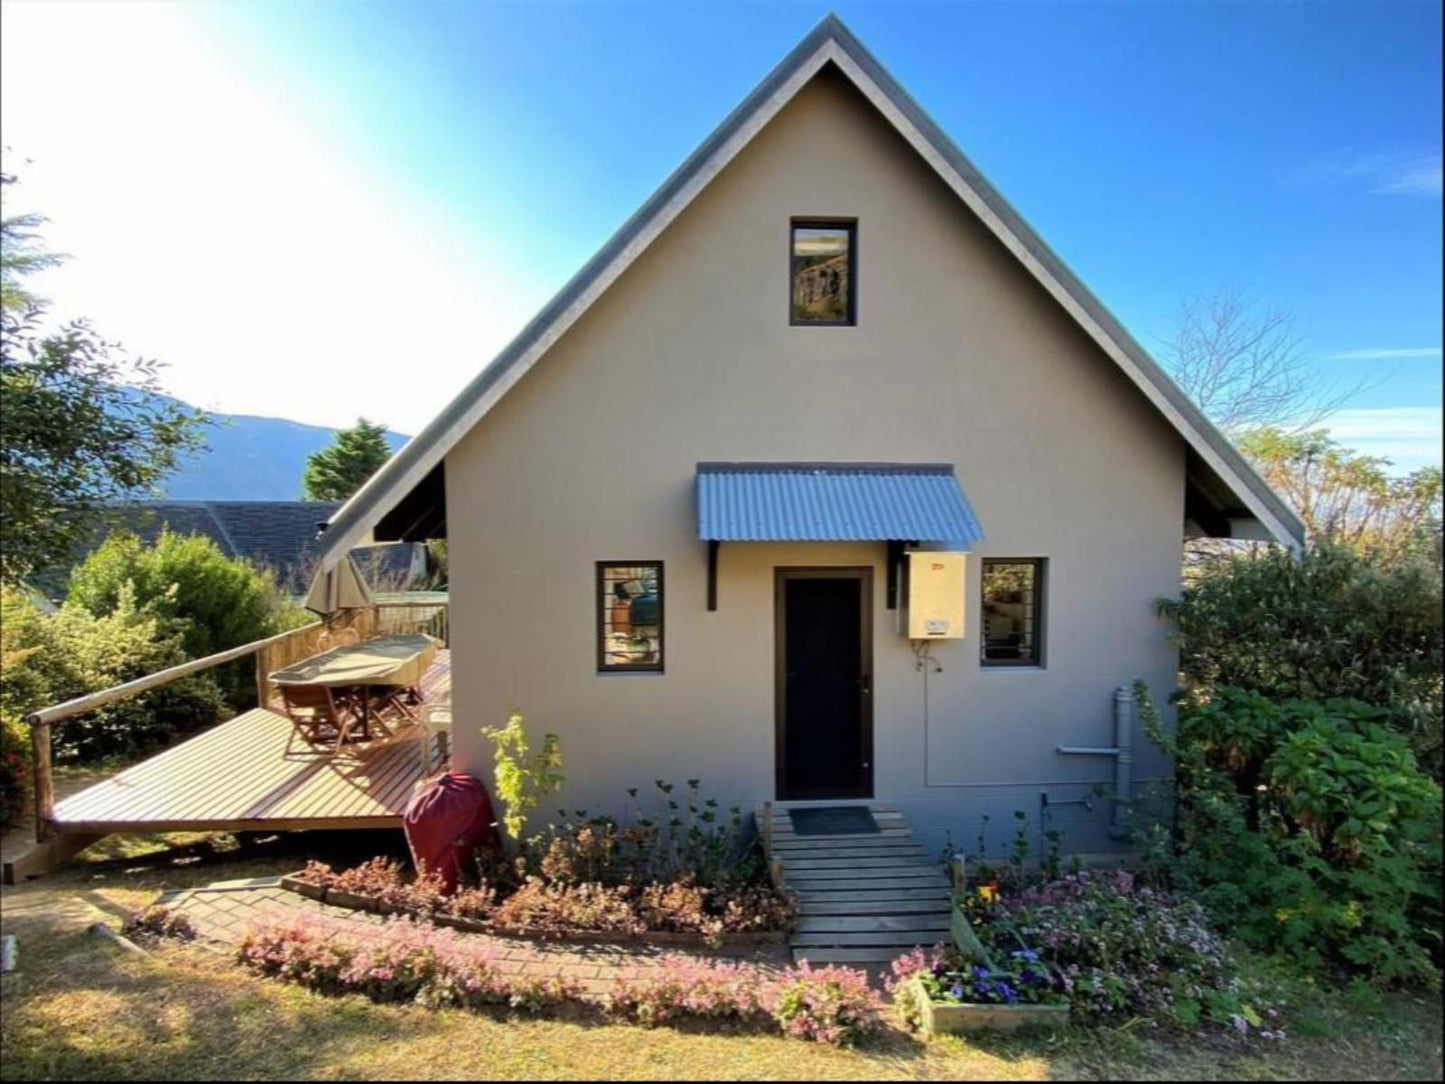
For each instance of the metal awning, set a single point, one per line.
(833, 502)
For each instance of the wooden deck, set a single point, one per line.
(254, 773)
(864, 899)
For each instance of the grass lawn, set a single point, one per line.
(80, 1008)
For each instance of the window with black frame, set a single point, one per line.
(823, 282)
(629, 615)
(1012, 619)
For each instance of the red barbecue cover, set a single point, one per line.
(446, 822)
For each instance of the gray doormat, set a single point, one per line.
(833, 820)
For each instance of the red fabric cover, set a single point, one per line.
(446, 822)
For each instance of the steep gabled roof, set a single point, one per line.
(1227, 488)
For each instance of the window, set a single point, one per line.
(629, 615)
(1013, 610)
(823, 280)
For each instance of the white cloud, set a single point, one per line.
(1422, 177)
(1387, 355)
(1410, 437)
(209, 229)
(1413, 174)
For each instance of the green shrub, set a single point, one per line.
(210, 601)
(685, 836)
(1308, 829)
(51, 658)
(1325, 625)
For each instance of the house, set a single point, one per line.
(683, 505)
(281, 535)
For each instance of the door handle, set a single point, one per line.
(865, 684)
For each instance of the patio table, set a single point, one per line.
(395, 661)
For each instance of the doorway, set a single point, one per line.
(824, 682)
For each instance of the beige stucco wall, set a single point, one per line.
(958, 357)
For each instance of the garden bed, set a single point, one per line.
(952, 1018)
(408, 900)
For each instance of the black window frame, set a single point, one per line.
(1040, 567)
(816, 223)
(599, 578)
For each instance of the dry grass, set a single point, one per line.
(81, 1009)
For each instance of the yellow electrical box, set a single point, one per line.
(935, 595)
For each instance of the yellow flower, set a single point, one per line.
(987, 893)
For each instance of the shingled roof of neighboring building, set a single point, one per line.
(281, 534)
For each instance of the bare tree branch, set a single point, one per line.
(1245, 366)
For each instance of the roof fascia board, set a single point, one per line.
(829, 41)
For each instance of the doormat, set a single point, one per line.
(833, 820)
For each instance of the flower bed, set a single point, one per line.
(945, 990)
(1115, 947)
(407, 960)
(680, 912)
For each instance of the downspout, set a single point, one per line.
(1123, 753)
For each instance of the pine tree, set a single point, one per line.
(338, 471)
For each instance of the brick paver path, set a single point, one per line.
(221, 913)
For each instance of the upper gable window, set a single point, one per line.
(824, 257)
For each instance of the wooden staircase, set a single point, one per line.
(865, 899)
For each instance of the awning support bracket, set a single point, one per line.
(895, 568)
(713, 545)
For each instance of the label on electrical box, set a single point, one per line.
(935, 627)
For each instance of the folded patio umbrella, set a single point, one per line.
(342, 588)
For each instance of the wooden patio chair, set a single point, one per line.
(319, 716)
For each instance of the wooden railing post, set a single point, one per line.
(44, 782)
(960, 875)
(768, 829)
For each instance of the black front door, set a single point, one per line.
(824, 682)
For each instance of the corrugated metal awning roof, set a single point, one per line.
(833, 502)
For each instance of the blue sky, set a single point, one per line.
(264, 193)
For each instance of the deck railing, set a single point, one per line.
(272, 653)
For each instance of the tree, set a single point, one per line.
(20, 253)
(206, 599)
(81, 427)
(1347, 498)
(1245, 367)
(338, 471)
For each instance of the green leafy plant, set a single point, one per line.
(49, 658)
(523, 778)
(1325, 625)
(207, 600)
(1308, 829)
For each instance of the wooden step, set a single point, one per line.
(935, 921)
(902, 939)
(810, 854)
(875, 892)
(879, 862)
(824, 954)
(870, 907)
(832, 880)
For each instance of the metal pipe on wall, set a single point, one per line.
(1123, 753)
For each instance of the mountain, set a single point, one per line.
(251, 458)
